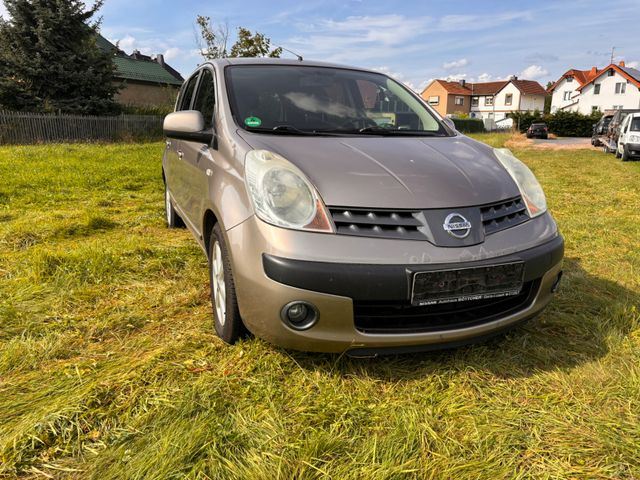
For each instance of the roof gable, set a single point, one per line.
(629, 73)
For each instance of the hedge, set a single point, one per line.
(563, 124)
(469, 125)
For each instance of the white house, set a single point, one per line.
(494, 101)
(565, 92)
(491, 102)
(613, 87)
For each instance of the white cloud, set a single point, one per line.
(452, 23)
(633, 64)
(534, 72)
(457, 77)
(173, 52)
(463, 62)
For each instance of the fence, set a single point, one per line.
(23, 128)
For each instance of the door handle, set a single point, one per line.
(180, 154)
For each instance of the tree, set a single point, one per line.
(49, 59)
(256, 45)
(212, 41)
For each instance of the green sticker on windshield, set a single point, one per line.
(252, 122)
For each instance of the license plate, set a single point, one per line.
(474, 283)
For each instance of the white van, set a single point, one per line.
(629, 139)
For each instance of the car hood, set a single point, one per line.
(395, 172)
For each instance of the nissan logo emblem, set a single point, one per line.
(457, 226)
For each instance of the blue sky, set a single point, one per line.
(415, 41)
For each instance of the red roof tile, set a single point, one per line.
(529, 87)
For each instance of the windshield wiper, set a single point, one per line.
(288, 130)
(378, 130)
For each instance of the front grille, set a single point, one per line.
(401, 224)
(503, 215)
(410, 224)
(380, 317)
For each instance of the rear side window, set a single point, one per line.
(185, 101)
(635, 124)
(205, 98)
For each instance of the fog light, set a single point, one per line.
(556, 285)
(299, 315)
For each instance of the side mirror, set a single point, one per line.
(187, 125)
(449, 123)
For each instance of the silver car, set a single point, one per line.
(339, 212)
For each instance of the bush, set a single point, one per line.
(563, 124)
(469, 125)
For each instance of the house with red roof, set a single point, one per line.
(614, 87)
(491, 102)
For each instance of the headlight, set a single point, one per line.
(634, 138)
(282, 195)
(527, 182)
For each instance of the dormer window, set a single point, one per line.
(569, 79)
(610, 72)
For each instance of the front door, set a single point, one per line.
(198, 159)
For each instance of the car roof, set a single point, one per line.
(282, 61)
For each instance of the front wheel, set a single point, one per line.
(625, 154)
(227, 322)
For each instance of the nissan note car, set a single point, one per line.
(340, 213)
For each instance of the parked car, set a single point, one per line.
(610, 140)
(629, 138)
(600, 129)
(326, 231)
(538, 130)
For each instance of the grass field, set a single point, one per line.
(109, 368)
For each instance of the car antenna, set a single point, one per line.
(293, 53)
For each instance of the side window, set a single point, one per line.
(185, 100)
(205, 98)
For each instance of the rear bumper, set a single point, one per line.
(270, 273)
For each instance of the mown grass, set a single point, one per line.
(109, 368)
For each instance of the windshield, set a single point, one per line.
(317, 100)
(635, 124)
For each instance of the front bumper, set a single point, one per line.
(347, 277)
(633, 149)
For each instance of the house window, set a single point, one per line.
(508, 99)
(459, 101)
(621, 87)
(610, 72)
(569, 79)
(596, 89)
(567, 95)
(595, 108)
(434, 100)
(474, 101)
(617, 107)
(488, 101)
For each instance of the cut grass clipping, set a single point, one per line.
(109, 368)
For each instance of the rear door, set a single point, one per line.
(198, 156)
(176, 173)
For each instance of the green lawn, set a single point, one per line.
(109, 368)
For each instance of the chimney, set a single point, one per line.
(513, 77)
(621, 63)
(593, 71)
(462, 82)
(160, 59)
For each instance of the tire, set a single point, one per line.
(545, 137)
(226, 315)
(625, 154)
(618, 154)
(171, 216)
